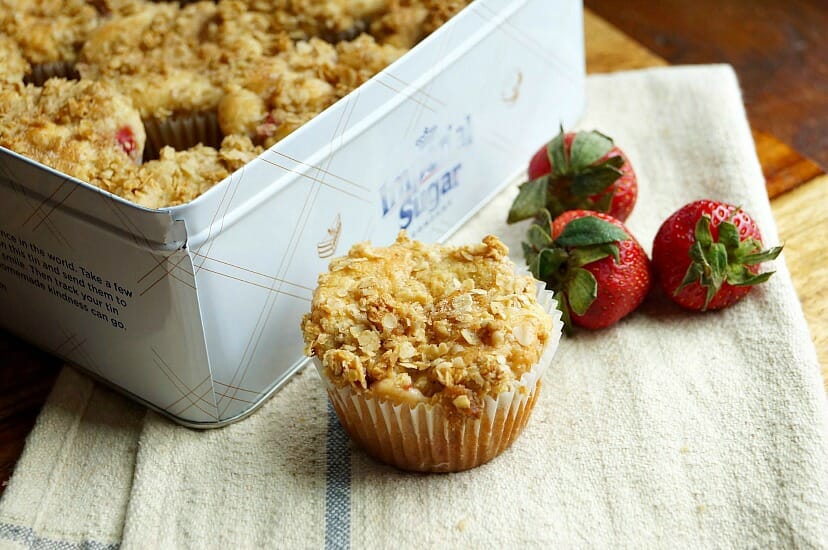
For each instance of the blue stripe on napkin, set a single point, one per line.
(338, 487)
(27, 537)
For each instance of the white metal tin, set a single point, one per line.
(195, 309)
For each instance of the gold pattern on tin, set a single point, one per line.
(327, 248)
(515, 90)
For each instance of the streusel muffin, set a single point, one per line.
(48, 32)
(406, 22)
(177, 177)
(333, 20)
(280, 93)
(80, 127)
(432, 354)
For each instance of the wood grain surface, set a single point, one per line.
(796, 184)
(778, 49)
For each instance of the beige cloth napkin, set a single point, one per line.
(668, 430)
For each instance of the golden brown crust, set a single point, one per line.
(278, 94)
(263, 66)
(14, 66)
(153, 57)
(406, 22)
(428, 323)
(81, 127)
(332, 19)
(48, 30)
(178, 177)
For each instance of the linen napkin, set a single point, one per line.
(670, 429)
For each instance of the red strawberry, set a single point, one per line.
(126, 139)
(577, 171)
(707, 255)
(596, 267)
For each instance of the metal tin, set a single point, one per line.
(194, 310)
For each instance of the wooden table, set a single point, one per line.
(798, 189)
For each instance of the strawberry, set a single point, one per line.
(707, 255)
(577, 171)
(597, 268)
(126, 139)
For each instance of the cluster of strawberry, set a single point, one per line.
(581, 189)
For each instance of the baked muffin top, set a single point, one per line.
(48, 31)
(80, 127)
(264, 67)
(415, 323)
(177, 177)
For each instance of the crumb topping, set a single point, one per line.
(69, 124)
(264, 67)
(178, 177)
(427, 323)
(48, 31)
(14, 66)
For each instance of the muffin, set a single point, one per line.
(82, 128)
(432, 355)
(405, 22)
(333, 19)
(177, 177)
(48, 32)
(186, 75)
(278, 94)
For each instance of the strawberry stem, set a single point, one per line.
(715, 262)
(559, 262)
(579, 178)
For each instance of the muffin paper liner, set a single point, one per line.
(426, 437)
(181, 132)
(41, 72)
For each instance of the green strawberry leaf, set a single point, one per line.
(588, 254)
(594, 181)
(754, 280)
(581, 290)
(590, 230)
(714, 272)
(696, 253)
(693, 274)
(737, 274)
(588, 148)
(614, 162)
(604, 202)
(717, 257)
(554, 205)
(718, 262)
(763, 256)
(544, 220)
(729, 235)
(702, 230)
(530, 201)
(556, 149)
(538, 238)
(550, 261)
(746, 248)
(532, 262)
(531, 257)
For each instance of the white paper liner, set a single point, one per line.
(41, 72)
(181, 132)
(425, 438)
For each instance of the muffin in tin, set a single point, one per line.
(432, 355)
